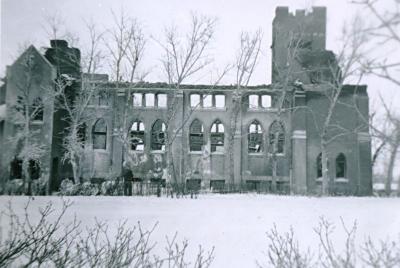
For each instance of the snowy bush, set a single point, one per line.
(113, 187)
(14, 187)
(88, 189)
(68, 187)
(39, 187)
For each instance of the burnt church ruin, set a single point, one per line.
(156, 132)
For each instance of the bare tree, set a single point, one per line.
(184, 57)
(126, 44)
(383, 31)
(389, 135)
(76, 107)
(118, 41)
(246, 61)
(93, 57)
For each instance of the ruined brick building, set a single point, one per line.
(276, 145)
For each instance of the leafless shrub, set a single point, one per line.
(284, 251)
(35, 243)
(384, 254)
(177, 254)
(329, 257)
(129, 247)
(47, 242)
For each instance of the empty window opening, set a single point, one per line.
(319, 166)
(277, 138)
(34, 169)
(220, 101)
(104, 98)
(207, 101)
(100, 134)
(255, 138)
(81, 134)
(16, 169)
(137, 136)
(150, 99)
(37, 110)
(341, 166)
(253, 101)
(162, 100)
(266, 101)
(196, 136)
(217, 137)
(194, 100)
(158, 136)
(137, 99)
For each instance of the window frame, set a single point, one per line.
(193, 135)
(147, 97)
(138, 132)
(134, 98)
(257, 135)
(215, 134)
(154, 139)
(158, 100)
(97, 133)
(343, 161)
(277, 131)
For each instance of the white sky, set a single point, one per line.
(22, 23)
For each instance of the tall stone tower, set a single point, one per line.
(293, 34)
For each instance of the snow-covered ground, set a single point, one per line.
(234, 224)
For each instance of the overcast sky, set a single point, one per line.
(23, 23)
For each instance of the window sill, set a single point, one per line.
(100, 150)
(277, 154)
(157, 151)
(37, 122)
(149, 107)
(137, 151)
(261, 109)
(256, 154)
(204, 109)
(196, 152)
(341, 180)
(217, 153)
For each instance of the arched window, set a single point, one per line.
(81, 134)
(100, 134)
(277, 137)
(319, 166)
(34, 169)
(137, 136)
(158, 136)
(217, 137)
(104, 98)
(255, 138)
(196, 136)
(37, 109)
(16, 169)
(341, 166)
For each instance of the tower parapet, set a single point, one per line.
(300, 31)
